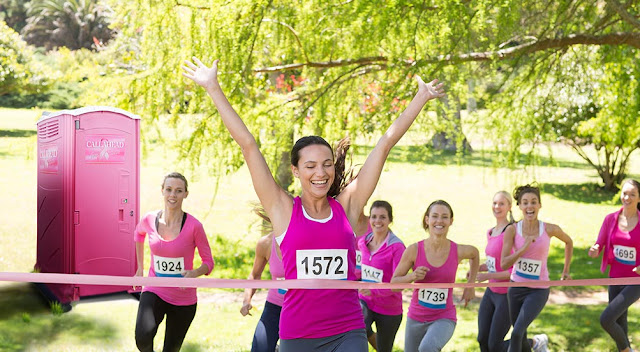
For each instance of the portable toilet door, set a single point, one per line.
(105, 195)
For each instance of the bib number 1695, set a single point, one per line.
(322, 264)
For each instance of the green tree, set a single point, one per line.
(14, 13)
(73, 24)
(17, 72)
(352, 60)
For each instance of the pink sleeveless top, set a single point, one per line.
(276, 296)
(359, 253)
(319, 249)
(432, 304)
(532, 265)
(624, 250)
(493, 252)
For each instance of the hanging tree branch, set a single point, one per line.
(619, 38)
(622, 12)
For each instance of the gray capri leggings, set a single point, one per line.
(429, 336)
(614, 317)
(524, 306)
(350, 341)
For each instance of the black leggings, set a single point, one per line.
(524, 306)
(493, 322)
(386, 326)
(614, 317)
(267, 332)
(151, 311)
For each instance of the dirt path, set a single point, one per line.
(556, 297)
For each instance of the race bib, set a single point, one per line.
(358, 260)
(371, 274)
(528, 268)
(322, 264)
(491, 264)
(625, 255)
(434, 298)
(281, 291)
(171, 267)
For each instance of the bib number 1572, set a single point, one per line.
(322, 264)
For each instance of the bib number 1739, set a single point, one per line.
(322, 264)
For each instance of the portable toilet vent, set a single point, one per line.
(88, 197)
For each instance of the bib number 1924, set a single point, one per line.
(322, 264)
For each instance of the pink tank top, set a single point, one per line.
(319, 249)
(624, 250)
(359, 253)
(276, 295)
(493, 252)
(532, 265)
(431, 304)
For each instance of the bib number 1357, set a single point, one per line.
(322, 264)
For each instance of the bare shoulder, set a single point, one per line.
(263, 248)
(466, 251)
(552, 229)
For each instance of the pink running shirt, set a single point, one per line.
(276, 295)
(169, 258)
(319, 249)
(379, 267)
(432, 304)
(532, 265)
(493, 252)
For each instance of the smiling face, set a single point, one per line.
(174, 192)
(315, 170)
(629, 196)
(379, 220)
(530, 206)
(438, 220)
(501, 206)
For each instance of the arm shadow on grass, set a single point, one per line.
(26, 321)
(481, 158)
(573, 327)
(582, 267)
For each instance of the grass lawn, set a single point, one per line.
(413, 177)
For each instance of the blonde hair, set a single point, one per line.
(507, 196)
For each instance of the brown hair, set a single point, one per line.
(635, 184)
(342, 177)
(522, 190)
(178, 176)
(384, 205)
(425, 224)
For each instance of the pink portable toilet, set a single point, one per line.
(88, 197)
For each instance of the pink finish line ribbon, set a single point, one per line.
(81, 279)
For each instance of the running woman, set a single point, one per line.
(619, 240)
(526, 248)
(493, 314)
(315, 230)
(173, 237)
(381, 252)
(431, 320)
(266, 335)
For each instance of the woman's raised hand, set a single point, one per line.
(432, 89)
(206, 77)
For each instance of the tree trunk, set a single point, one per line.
(452, 139)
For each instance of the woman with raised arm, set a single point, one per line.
(315, 230)
(431, 319)
(266, 335)
(526, 248)
(619, 240)
(493, 313)
(173, 236)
